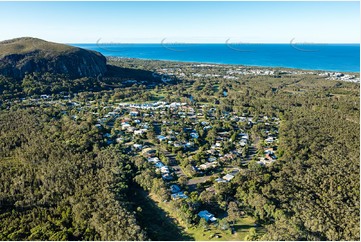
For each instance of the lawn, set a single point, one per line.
(241, 226)
(157, 96)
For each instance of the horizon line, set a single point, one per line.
(185, 43)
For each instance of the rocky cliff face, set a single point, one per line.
(26, 55)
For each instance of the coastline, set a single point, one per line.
(236, 65)
(313, 57)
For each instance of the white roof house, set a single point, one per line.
(243, 142)
(194, 135)
(269, 139)
(219, 180)
(138, 132)
(134, 113)
(208, 165)
(125, 125)
(228, 177)
(153, 159)
(164, 169)
(138, 146)
(161, 137)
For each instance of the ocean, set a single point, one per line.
(327, 57)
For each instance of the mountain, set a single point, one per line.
(27, 55)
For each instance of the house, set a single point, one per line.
(207, 127)
(130, 129)
(133, 113)
(270, 154)
(43, 96)
(194, 135)
(207, 216)
(208, 165)
(164, 169)
(119, 140)
(138, 132)
(138, 146)
(264, 161)
(212, 159)
(219, 180)
(161, 137)
(113, 114)
(149, 152)
(270, 139)
(219, 138)
(153, 160)
(174, 189)
(244, 136)
(228, 177)
(243, 119)
(194, 168)
(211, 189)
(228, 157)
(223, 134)
(167, 177)
(177, 144)
(145, 126)
(159, 164)
(125, 126)
(178, 195)
(243, 142)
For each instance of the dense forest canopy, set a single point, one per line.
(57, 185)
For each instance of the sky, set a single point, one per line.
(182, 22)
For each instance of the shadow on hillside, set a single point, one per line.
(155, 221)
(128, 73)
(117, 75)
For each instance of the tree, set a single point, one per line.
(252, 235)
(233, 212)
(223, 224)
(203, 224)
(183, 181)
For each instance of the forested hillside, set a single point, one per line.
(313, 193)
(57, 185)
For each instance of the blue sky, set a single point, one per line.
(184, 22)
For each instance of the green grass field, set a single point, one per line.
(241, 226)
